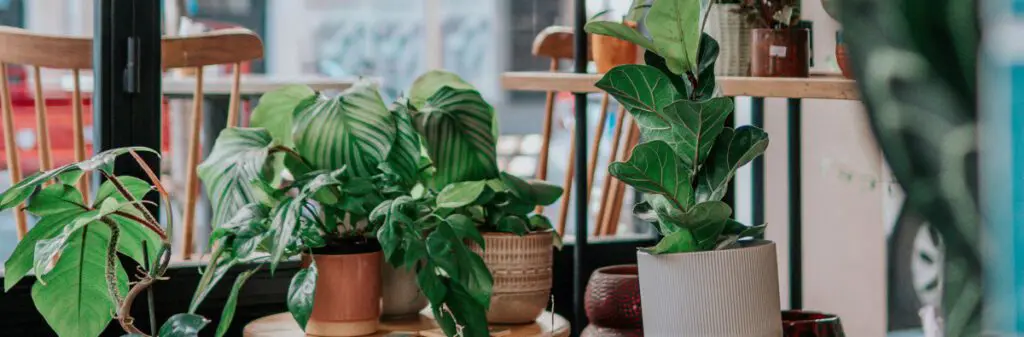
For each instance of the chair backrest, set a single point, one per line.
(556, 42)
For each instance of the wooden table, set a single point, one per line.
(817, 86)
(283, 325)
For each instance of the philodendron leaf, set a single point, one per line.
(706, 68)
(512, 224)
(464, 193)
(20, 262)
(678, 242)
(642, 89)
(469, 314)
(301, 293)
(354, 129)
(456, 124)
(238, 157)
(138, 188)
(276, 108)
(56, 198)
(654, 168)
(228, 313)
(431, 284)
(732, 150)
(465, 228)
(539, 222)
(620, 31)
(183, 325)
(675, 31)
(689, 128)
(403, 160)
(534, 191)
(73, 296)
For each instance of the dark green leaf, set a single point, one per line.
(439, 249)
(707, 235)
(430, 82)
(276, 108)
(183, 325)
(680, 83)
(403, 159)
(699, 215)
(465, 228)
(689, 128)
(238, 157)
(464, 193)
(534, 192)
(512, 224)
(138, 188)
(468, 313)
(301, 293)
(457, 127)
(732, 150)
(219, 268)
(654, 168)
(228, 312)
(431, 284)
(675, 31)
(642, 89)
(56, 198)
(20, 261)
(678, 242)
(706, 68)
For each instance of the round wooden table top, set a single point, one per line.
(283, 325)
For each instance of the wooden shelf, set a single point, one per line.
(816, 86)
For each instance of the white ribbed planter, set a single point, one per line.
(732, 31)
(725, 293)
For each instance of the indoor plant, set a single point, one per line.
(779, 49)
(731, 28)
(72, 250)
(701, 279)
(610, 51)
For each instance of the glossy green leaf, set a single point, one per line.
(183, 325)
(620, 31)
(512, 224)
(534, 191)
(675, 31)
(301, 292)
(73, 296)
(238, 157)
(642, 89)
(403, 160)
(678, 242)
(56, 198)
(706, 68)
(732, 150)
(354, 129)
(469, 314)
(707, 235)
(20, 261)
(228, 313)
(431, 284)
(286, 217)
(539, 222)
(440, 251)
(654, 168)
(689, 128)
(464, 193)
(457, 127)
(138, 189)
(132, 236)
(430, 82)
(465, 228)
(699, 215)
(276, 108)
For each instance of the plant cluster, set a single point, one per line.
(773, 14)
(688, 157)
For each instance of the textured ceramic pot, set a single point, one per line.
(400, 295)
(799, 323)
(610, 52)
(613, 298)
(732, 31)
(724, 293)
(521, 266)
(347, 300)
(780, 52)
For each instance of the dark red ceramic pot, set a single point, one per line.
(596, 331)
(613, 298)
(799, 323)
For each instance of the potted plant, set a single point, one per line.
(72, 251)
(610, 51)
(779, 49)
(705, 277)
(727, 24)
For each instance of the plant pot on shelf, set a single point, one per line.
(732, 31)
(401, 296)
(800, 323)
(841, 57)
(722, 293)
(347, 298)
(521, 266)
(610, 52)
(612, 302)
(779, 52)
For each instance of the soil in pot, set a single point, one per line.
(780, 53)
(610, 52)
(521, 267)
(347, 300)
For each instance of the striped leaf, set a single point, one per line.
(430, 82)
(403, 160)
(239, 156)
(354, 129)
(456, 124)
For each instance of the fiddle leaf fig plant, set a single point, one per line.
(688, 155)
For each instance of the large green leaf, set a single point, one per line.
(138, 189)
(431, 284)
(706, 68)
(430, 82)
(404, 158)
(678, 242)
(535, 191)
(469, 315)
(287, 216)
(74, 299)
(300, 294)
(675, 30)
(56, 198)
(239, 156)
(654, 168)
(465, 229)
(732, 150)
(699, 215)
(457, 126)
(183, 325)
(689, 128)
(354, 129)
(642, 89)
(20, 261)
(620, 31)
(276, 108)
(464, 193)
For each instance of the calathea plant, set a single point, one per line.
(688, 156)
(73, 249)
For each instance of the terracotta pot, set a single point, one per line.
(347, 301)
(401, 296)
(780, 53)
(610, 52)
(799, 323)
(521, 266)
(613, 298)
(841, 57)
(732, 31)
(723, 293)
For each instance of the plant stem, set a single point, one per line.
(124, 315)
(150, 302)
(128, 196)
(153, 179)
(211, 268)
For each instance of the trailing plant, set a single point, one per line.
(73, 249)
(688, 157)
(773, 14)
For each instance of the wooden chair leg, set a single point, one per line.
(596, 146)
(191, 178)
(77, 131)
(620, 120)
(42, 129)
(620, 193)
(11, 147)
(235, 96)
(570, 171)
(545, 147)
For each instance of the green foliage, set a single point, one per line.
(688, 155)
(183, 325)
(456, 124)
(228, 313)
(301, 291)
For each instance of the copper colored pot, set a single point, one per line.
(613, 298)
(780, 53)
(347, 300)
(521, 266)
(841, 56)
(610, 52)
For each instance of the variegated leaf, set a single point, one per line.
(239, 156)
(456, 124)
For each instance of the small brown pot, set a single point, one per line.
(521, 266)
(780, 53)
(610, 52)
(347, 300)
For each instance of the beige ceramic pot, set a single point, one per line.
(347, 300)
(724, 293)
(401, 296)
(521, 266)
